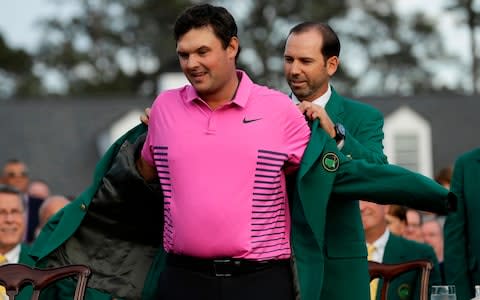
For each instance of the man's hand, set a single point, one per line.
(313, 111)
(146, 117)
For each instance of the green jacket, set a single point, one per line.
(407, 286)
(462, 240)
(82, 231)
(364, 128)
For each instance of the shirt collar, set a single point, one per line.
(381, 242)
(241, 95)
(321, 101)
(13, 256)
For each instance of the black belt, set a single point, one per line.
(223, 267)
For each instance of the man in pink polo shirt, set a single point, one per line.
(220, 148)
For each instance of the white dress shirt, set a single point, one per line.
(13, 256)
(380, 245)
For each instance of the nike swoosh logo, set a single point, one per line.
(245, 121)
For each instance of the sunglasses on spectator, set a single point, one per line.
(13, 174)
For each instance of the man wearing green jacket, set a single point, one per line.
(311, 58)
(12, 227)
(386, 247)
(462, 241)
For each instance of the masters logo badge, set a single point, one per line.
(330, 162)
(404, 291)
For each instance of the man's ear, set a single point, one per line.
(332, 65)
(233, 47)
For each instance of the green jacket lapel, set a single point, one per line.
(335, 107)
(393, 250)
(314, 148)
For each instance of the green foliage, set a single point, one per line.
(112, 46)
(16, 77)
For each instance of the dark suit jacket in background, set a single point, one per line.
(32, 222)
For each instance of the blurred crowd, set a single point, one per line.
(21, 220)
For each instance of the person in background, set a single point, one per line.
(15, 173)
(38, 188)
(12, 227)
(433, 235)
(396, 218)
(462, 238)
(386, 247)
(50, 206)
(413, 230)
(444, 176)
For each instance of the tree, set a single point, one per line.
(400, 52)
(382, 52)
(16, 77)
(468, 13)
(112, 46)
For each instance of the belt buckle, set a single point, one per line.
(220, 267)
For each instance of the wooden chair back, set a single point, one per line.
(15, 276)
(388, 272)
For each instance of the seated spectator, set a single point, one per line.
(413, 230)
(15, 173)
(386, 247)
(12, 227)
(49, 207)
(444, 177)
(39, 189)
(396, 219)
(433, 235)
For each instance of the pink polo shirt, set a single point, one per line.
(222, 171)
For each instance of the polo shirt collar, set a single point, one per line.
(241, 95)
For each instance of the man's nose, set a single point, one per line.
(192, 62)
(295, 68)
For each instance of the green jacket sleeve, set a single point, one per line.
(389, 184)
(367, 143)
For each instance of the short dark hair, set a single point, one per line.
(398, 211)
(444, 176)
(203, 15)
(8, 189)
(331, 43)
